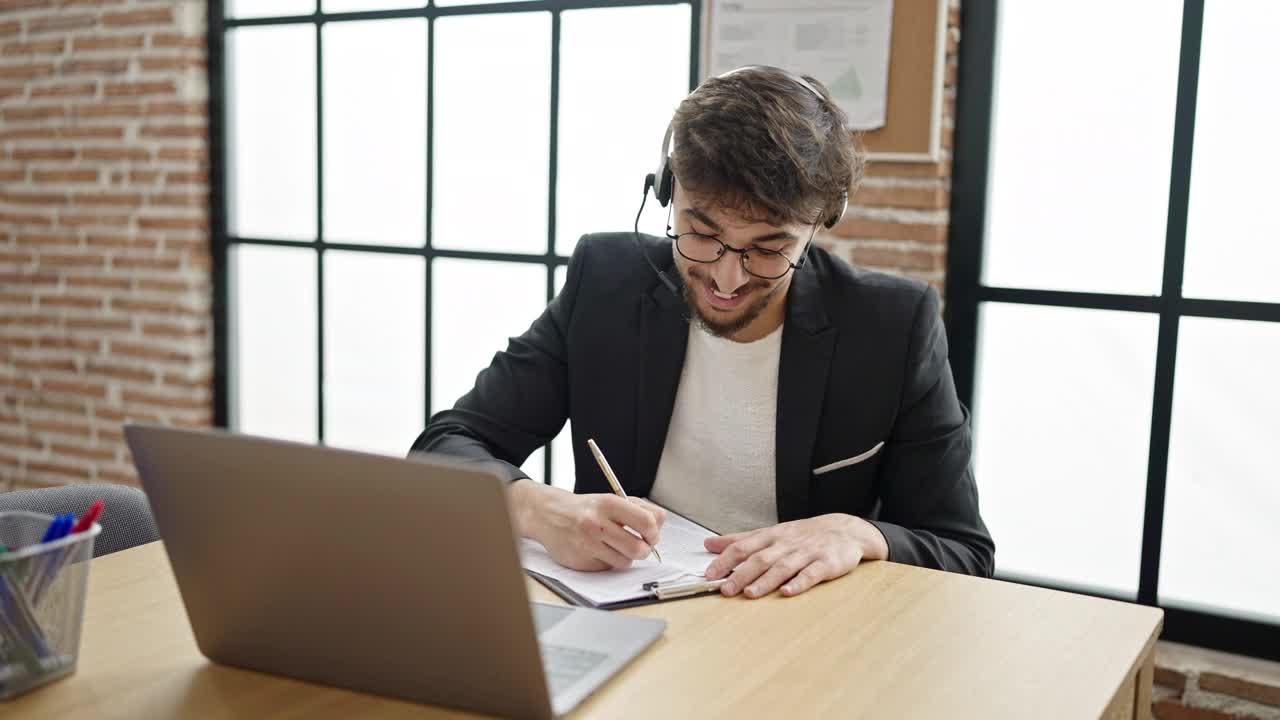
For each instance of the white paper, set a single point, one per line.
(842, 43)
(683, 557)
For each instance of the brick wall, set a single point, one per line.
(1196, 684)
(897, 221)
(104, 263)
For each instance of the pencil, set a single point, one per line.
(613, 480)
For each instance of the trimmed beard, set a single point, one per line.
(722, 328)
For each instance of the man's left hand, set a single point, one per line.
(795, 555)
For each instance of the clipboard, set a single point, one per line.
(658, 593)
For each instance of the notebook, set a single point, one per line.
(684, 560)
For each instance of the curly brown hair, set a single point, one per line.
(765, 147)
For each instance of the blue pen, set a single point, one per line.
(51, 532)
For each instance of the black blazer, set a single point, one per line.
(864, 360)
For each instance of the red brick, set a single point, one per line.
(30, 133)
(25, 70)
(934, 198)
(15, 258)
(173, 330)
(182, 402)
(1260, 692)
(120, 415)
(47, 153)
(39, 278)
(119, 477)
(148, 16)
(97, 282)
(34, 198)
(113, 66)
(196, 176)
(1169, 678)
(198, 109)
(83, 453)
(10, 28)
(121, 241)
(144, 176)
(150, 352)
(113, 109)
(70, 219)
(94, 132)
(173, 223)
(143, 305)
(176, 40)
(94, 43)
(118, 372)
(135, 89)
(184, 153)
(174, 131)
(77, 175)
(116, 199)
(72, 260)
(197, 199)
(79, 302)
(204, 382)
(124, 262)
(79, 344)
(1171, 709)
(171, 63)
(44, 363)
(166, 285)
(59, 469)
(31, 239)
(878, 168)
(13, 174)
(856, 227)
(58, 427)
(899, 258)
(24, 4)
(53, 46)
(60, 22)
(37, 112)
(98, 322)
(139, 154)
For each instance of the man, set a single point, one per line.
(736, 374)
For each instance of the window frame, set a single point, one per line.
(966, 292)
(221, 241)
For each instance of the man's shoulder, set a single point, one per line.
(614, 260)
(851, 288)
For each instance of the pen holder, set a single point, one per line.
(42, 587)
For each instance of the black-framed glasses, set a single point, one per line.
(760, 262)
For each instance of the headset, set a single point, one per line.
(662, 182)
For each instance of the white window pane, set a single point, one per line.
(373, 345)
(1081, 146)
(1233, 236)
(560, 273)
(268, 8)
(1062, 417)
(477, 306)
(357, 5)
(489, 162)
(618, 91)
(271, 132)
(535, 467)
(562, 465)
(375, 131)
(273, 341)
(1222, 498)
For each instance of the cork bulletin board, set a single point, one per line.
(917, 56)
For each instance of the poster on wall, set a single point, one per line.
(842, 43)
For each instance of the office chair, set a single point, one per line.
(126, 518)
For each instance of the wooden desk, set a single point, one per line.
(886, 641)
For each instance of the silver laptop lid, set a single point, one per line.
(394, 576)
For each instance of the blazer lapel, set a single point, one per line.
(808, 341)
(664, 334)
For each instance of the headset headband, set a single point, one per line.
(662, 181)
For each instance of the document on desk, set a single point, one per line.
(680, 545)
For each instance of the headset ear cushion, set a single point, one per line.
(662, 191)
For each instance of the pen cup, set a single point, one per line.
(42, 588)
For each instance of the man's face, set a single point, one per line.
(722, 294)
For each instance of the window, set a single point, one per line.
(398, 188)
(1113, 307)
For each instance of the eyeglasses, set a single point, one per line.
(760, 262)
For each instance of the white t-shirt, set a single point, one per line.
(718, 463)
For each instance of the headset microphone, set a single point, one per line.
(648, 184)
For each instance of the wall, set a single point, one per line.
(104, 262)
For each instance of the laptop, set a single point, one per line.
(393, 576)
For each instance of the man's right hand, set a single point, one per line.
(585, 532)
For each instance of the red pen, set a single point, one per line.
(90, 516)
